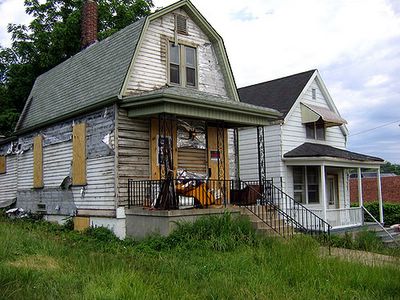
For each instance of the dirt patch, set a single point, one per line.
(35, 262)
(364, 257)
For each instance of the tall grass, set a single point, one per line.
(40, 261)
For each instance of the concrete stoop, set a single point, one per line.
(386, 239)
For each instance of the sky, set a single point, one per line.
(355, 44)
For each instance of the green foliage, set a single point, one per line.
(391, 212)
(390, 168)
(220, 233)
(101, 234)
(39, 261)
(363, 240)
(52, 37)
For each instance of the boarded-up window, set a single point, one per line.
(38, 162)
(79, 154)
(2, 164)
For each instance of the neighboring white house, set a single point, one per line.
(305, 151)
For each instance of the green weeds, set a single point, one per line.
(215, 258)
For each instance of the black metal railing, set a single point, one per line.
(200, 193)
(271, 205)
(285, 215)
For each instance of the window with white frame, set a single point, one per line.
(182, 65)
(314, 93)
(306, 184)
(315, 130)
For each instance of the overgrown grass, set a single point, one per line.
(214, 258)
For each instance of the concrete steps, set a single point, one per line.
(386, 239)
(270, 217)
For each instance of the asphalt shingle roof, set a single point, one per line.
(91, 76)
(279, 94)
(320, 150)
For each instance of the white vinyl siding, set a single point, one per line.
(8, 180)
(151, 70)
(248, 153)
(99, 193)
(294, 132)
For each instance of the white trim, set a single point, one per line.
(329, 161)
(316, 76)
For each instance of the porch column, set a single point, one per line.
(323, 191)
(378, 177)
(360, 195)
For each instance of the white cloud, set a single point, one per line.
(376, 80)
(11, 11)
(353, 43)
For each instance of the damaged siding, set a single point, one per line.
(150, 69)
(133, 152)
(8, 180)
(58, 196)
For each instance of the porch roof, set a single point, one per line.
(310, 153)
(194, 103)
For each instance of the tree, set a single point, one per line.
(52, 37)
(390, 168)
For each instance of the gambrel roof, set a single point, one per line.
(97, 76)
(279, 94)
(89, 78)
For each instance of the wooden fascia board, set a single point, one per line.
(289, 114)
(134, 56)
(183, 100)
(176, 106)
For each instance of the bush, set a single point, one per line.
(363, 240)
(391, 212)
(101, 234)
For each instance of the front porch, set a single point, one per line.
(320, 176)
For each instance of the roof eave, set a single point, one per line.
(139, 106)
(332, 161)
(98, 105)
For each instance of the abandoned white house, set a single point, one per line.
(153, 101)
(144, 123)
(305, 151)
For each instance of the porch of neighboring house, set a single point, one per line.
(321, 182)
(193, 158)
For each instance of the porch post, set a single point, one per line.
(360, 195)
(262, 173)
(378, 177)
(323, 191)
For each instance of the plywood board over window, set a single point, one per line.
(2, 164)
(79, 154)
(38, 162)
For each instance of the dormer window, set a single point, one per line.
(315, 130)
(182, 65)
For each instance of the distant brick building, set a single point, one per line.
(390, 189)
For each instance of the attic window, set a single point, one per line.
(314, 94)
(182, 65)
(181, 25)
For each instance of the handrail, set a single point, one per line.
(384, 229)
(310, 228)
(297, 203)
